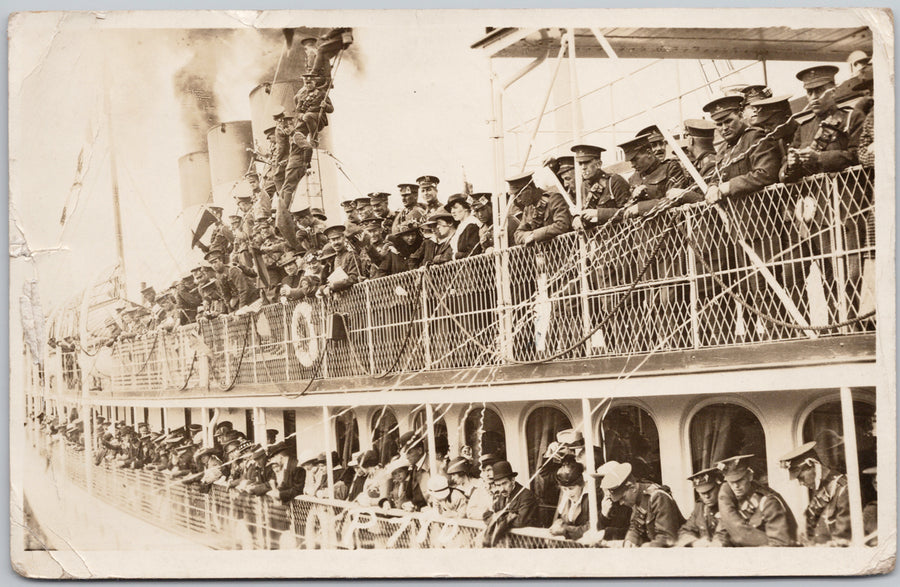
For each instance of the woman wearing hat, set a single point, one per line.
(404, 244)
(444, 232)
(465, 242)
(571, 518)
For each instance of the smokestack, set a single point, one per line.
(228, 158)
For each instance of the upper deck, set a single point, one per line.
(639, 296)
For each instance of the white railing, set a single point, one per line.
(683, 279)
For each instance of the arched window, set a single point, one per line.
(484, 433)
(441, 438)
(629, 435)
(828, 417)
(385, 435)
(720, 431)
(346, 431)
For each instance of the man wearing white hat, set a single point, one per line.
(655, 517)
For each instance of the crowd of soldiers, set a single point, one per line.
(256, 258)
(733, 506)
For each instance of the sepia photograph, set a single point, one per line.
(293, 293)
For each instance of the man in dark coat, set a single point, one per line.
(514, 506)
(602, 194)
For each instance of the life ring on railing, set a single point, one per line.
(307, 356)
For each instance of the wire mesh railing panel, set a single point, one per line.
(789, 262)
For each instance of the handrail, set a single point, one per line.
(685, 299)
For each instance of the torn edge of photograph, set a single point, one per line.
(295, 292)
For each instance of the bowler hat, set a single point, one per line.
(503, 470)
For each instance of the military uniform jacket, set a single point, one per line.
(406, 214)
(606, 198)
(350, 264)
(748, 165)
(234, 285)
(702, 523)
(546, 221)
(828, 513)
(705, 164)
(655, 518)
(658, 181)
(838, 153)
(762, 518)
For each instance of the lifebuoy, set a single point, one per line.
(308, 352)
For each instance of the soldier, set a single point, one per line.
(700, 145)
(233, 286)
(291, 279)
(652, 179)
(380, 208)
(564, 169)
(484, 211)
(312, 103)
(750, 513)
(444, 232)
(298, 159)
(375, 248)
(656, 139)
(753, 93)
(429, 192)
(465, 241)
(363, 207)
(602, 194)
(655, 518)
(826, 142)
(188, 299)
(546, 215)
(700, 528)
(346, 271)
(828, 513)
(411, 211)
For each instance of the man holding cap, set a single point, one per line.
(545, 215)
(752, 514)
(827, 141)
(700, 528)
(655, 517)
(602, 194)
(346, 271)
(828, 513)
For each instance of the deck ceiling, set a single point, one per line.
(769, 43)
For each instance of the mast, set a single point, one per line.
(120, 283)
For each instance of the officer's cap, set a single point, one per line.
(427, 181)
(318, 213)
(735, 468)
(706, 479)
(587, 153)
(652, 133)
(616, 479)
(278, 112)
(377, 196)
(817, 76)
(697, 127)
(408, 188)
(565, 163)
(335, 228)
(269, 130)
(213, 255)
(364, 200)
(481, 199)
(518, 181)
(756, 92)
(349, 203)
(635, 146)
(772, 103)
(303, 212)
(723, 105)
(797, 457)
